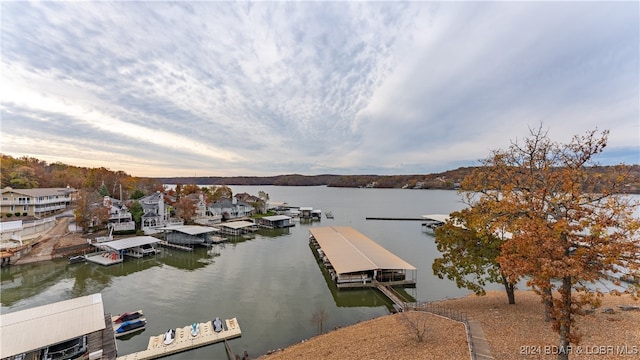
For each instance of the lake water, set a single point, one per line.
(270, 281)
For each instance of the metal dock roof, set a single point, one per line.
(38, 327)
(191, 229)
(276, 217)
(350, 251)
(237, 224)
(129, 242)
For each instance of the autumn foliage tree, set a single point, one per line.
(89, 212)
(569, 230)
(218, 193)
(185, 209)
(470, 248)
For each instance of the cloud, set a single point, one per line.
(220, 88)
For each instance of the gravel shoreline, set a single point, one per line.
(512, 331)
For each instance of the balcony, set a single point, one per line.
(31, 201)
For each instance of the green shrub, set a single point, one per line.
(16, 213)
(9, 215)
(24, 214)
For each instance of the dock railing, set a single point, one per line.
(452, 314)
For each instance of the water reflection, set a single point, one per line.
(24, 281)
(189, 260)
(274, 232)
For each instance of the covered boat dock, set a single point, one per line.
(354, 260)
(113, 252)
(66, 329)
(276, 222)
(237, 227)
(189, 234)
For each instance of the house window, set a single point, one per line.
(12, 208)
(25, 208)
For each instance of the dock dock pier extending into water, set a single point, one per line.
(185, 341)
(355, 261)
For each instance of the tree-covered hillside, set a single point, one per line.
(27, 172)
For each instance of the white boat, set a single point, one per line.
(195, 329)
(169, 336)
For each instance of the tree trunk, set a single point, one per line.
(548, 303)
(509, 287)
(565, 319)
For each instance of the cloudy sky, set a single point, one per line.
(268, 88)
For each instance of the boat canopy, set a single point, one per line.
(128, 243)
(238, 224)
(191, 229)
(35, 328)
(277, 218)
(350, 251)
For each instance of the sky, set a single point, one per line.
(209, 88)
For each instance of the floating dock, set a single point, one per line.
(184, 341)
(104, 258)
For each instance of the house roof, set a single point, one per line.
(153, 198)
(150, 214)
(38, 327)
(38, 192)
(350, 251)
(228, 204)
(131, 242)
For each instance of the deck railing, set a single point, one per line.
(452, 314)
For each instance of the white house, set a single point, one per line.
(231, 209)
(119, 216)
(155, 213)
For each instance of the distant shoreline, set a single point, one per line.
(447, 180)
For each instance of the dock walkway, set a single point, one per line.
(104, 258)
(478, 345)
(392, 295)
(184, 341)
(103, 342)
(169, 245)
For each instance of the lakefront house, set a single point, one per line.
(231, 209)
(120, 219)
(156, 214)
(38, 202)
